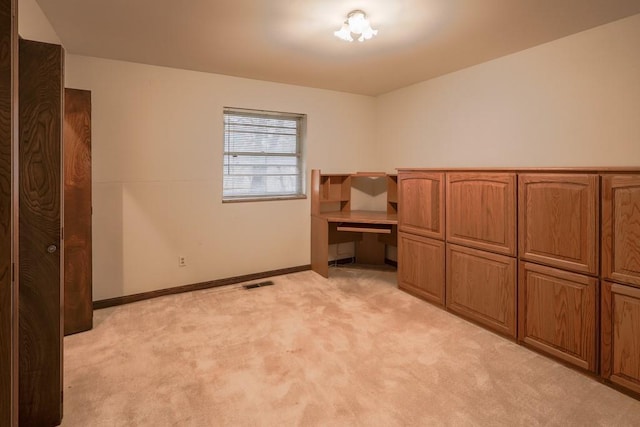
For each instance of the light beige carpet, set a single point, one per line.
(351, 350)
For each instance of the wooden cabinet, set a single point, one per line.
(481, 210)
(557, 313)
(523, 257)
(620, 304)
(481, 217)
(621, 228)
(421, 267)
(620, 335)
(558, 220)
(482, 286)
(421, 247)
(421, 197)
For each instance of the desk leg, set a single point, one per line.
(320, 246)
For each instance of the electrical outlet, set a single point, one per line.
(182, 261)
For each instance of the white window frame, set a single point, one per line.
(299, 155)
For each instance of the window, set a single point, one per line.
(262, 155)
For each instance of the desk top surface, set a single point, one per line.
(360, 217)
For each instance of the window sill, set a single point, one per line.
(263, 199)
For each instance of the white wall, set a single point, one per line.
(157, 145)
(157, 173)
(33, 24)
(571, 102)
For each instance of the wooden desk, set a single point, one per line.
(371, 230)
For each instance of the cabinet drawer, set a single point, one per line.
(421, 267)
(557, 313)
(481, 211)
(558, 220)
(620, 335)
(421, 203)
(621, 228)
(482, 286)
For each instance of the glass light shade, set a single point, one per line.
(358, 24)
(344, 33)
(368, 33)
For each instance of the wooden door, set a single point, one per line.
(558, 220)
(421, 267)
(557, 313)
(621, 228)
(482, 286)
(481, 211)
(78, 302)
(620, 335)
(8, 216)
(40, 321)
(421, 203)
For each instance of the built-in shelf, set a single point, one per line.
(392, 194)
(369, 174)
(332, 192)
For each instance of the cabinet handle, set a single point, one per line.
(52, 248)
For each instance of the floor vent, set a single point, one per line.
(258, 285)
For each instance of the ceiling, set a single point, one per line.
(292, 41)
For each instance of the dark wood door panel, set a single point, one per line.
(40, 320)
(621, 228)
(8, 287)
(78, 305)
(481, 210)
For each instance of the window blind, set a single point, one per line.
(262, 154)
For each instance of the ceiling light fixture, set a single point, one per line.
(356, 23)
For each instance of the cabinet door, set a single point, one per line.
(620, 335)
(558, 220)
(421, 199)
(482, 286)
(621, 228)
(481, 211)
(557, 313)
(421, 267)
